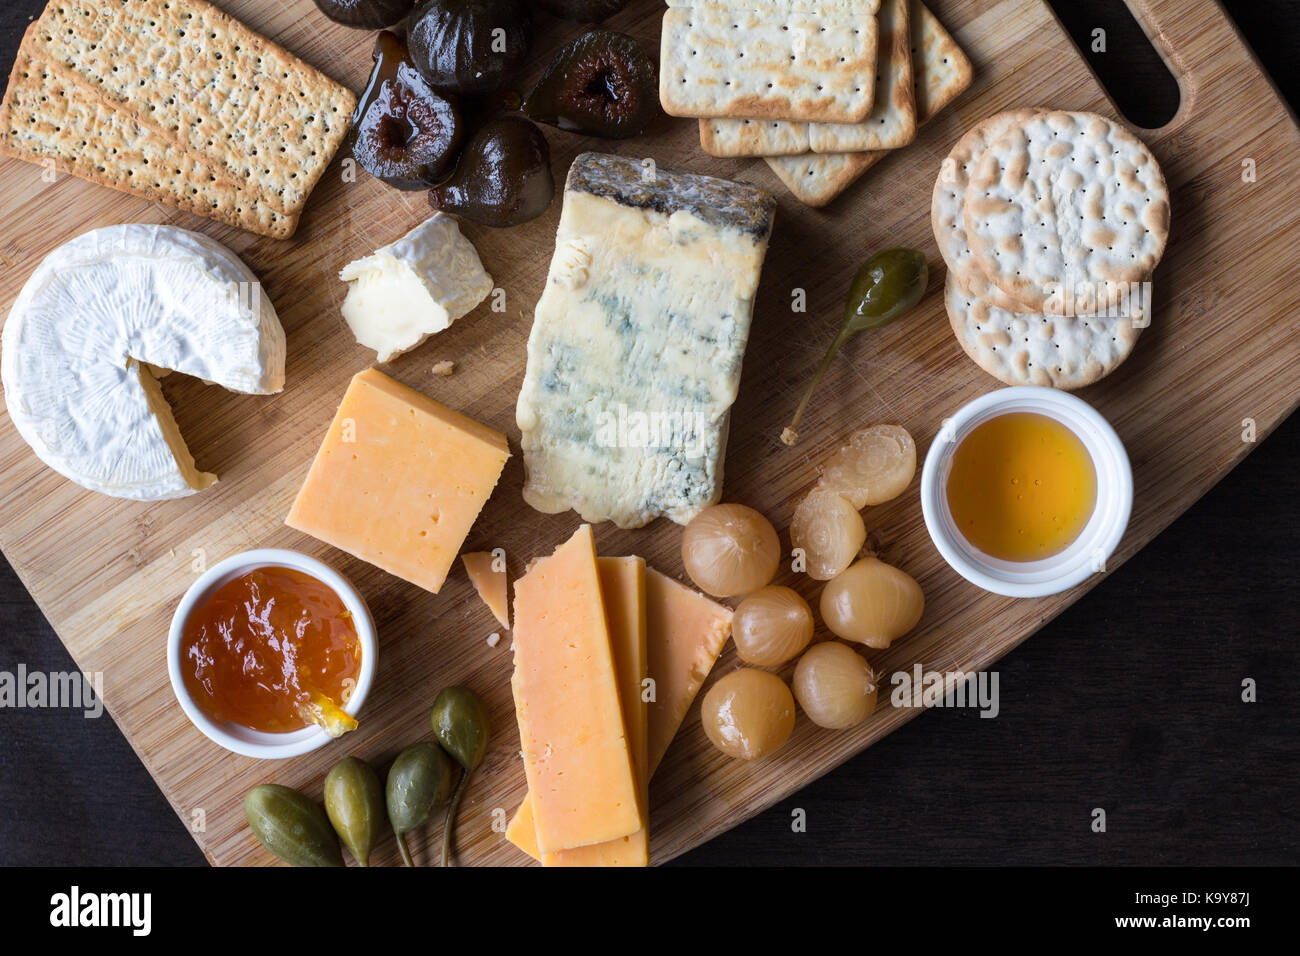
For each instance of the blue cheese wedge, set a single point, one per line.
(414, 287)
(635, 354)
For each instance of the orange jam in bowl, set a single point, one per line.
(274, 650)
(1021, 487)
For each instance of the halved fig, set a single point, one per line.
(404, 131)
(601, 83)
(503, 177)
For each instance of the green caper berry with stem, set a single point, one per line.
(460, 722)
(888, 286)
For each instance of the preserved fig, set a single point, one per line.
(366, 14)
(600, 83)
(584, 11)
(469, 46)
(404, 131)
(503, 177)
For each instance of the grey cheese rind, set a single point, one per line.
(635, 354)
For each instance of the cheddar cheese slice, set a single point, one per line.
(399, 480)
(622, 584)
(685, 633)
(577, 752)
(489, 583)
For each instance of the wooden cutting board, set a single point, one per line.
(1222, 349)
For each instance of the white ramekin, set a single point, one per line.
(1099, 538)
(235, 737)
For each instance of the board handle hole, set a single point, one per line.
(1126, 64)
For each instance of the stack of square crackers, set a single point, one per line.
(178, 102)
(820, 89)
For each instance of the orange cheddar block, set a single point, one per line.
(685, 633)
(622, 584)
(489, 583)
(577, 752)
(399, 480)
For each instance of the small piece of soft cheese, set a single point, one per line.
(416, 286)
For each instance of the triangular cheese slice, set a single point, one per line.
(685, 633)
(490, 584)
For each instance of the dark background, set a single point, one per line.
(1130, 701)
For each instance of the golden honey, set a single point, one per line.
(1022, 487)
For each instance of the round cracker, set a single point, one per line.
(1065, 352)
(1066, 201)
(949, 199)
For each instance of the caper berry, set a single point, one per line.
(291, 826)
(354, 803)
(418, 784)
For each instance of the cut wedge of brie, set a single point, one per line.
(101, 318)
(414, 287)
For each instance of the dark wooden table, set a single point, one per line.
(1130, 702)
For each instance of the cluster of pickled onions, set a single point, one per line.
(730, 550)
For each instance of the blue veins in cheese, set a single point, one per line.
(635, 353)
(414, 287)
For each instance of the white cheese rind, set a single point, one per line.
(94, 314)
(414, 287)
(635, 353)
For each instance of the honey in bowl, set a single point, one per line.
(274, 650)
(1021, 487)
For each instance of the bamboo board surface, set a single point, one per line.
(1222, 348)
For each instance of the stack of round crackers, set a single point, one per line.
(1051, 224)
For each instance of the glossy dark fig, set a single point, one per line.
(601, 83)
(503, 177)
(366, 14)
(469, 46)
(584, 11)
(404, 131)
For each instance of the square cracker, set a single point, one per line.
(769, 63)
(48, 117)
(892, 122)
(730, 137)
(202, 80)
(941, 72)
